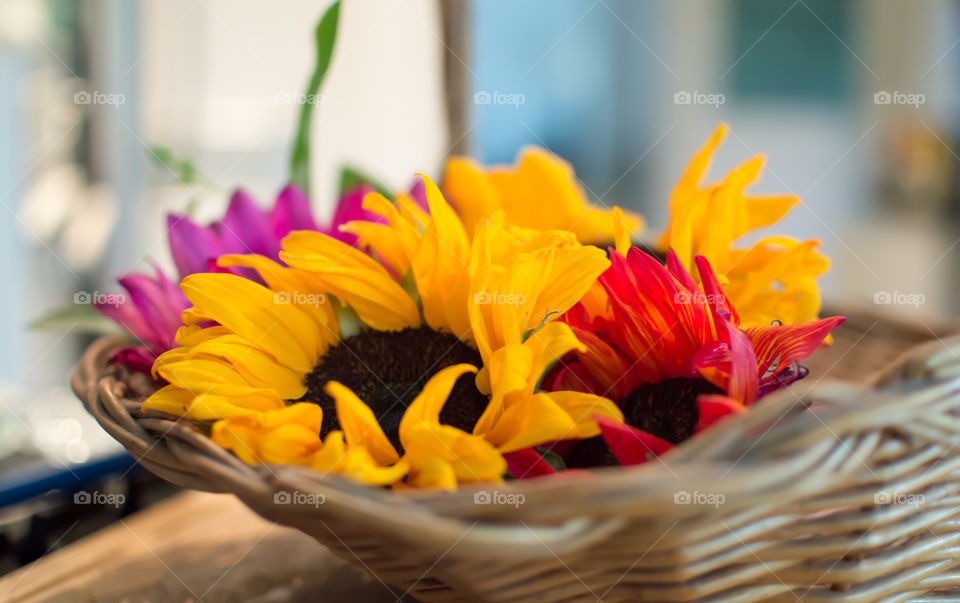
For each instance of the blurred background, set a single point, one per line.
(854, 104)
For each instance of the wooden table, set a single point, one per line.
(194, 547)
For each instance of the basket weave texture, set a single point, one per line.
(829, 491)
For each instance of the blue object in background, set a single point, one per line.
(544, 75)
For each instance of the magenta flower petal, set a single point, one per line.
(291, 212)
(419, 193)
(160, 303)
(350, 208)
(129, 318)
(245, 228)
(191, 245)
(136, 358)
(151, 313)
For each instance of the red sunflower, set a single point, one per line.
(671, 354)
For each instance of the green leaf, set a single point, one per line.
(351, 177)
(325, 36)
(553, 459)
(78, 318)
(182, 169)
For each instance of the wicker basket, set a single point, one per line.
(834, 491)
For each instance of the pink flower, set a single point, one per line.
(151, 311)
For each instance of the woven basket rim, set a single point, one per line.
(755, 454)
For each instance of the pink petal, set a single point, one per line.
(291, 212)
(349, 209)
(138, 359)
(159, 305)
(418, 191)
(129, 318)
(191, 245)
(245, 228)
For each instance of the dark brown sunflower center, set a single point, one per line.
(388, 369)
(666, 409)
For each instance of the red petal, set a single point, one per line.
(679, 272)
(631, 446)
(715, 295)
(711, 408)
(786, 344)
(731, 364)
(527, 463)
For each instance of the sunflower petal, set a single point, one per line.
(426, 407)
(433, 472)
(471, 458)
(250, 310)
(531, 421)
(353, 277)
(170, 399)
(582, 408)
(359, 424)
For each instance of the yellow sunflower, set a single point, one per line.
(774, 279)
(391, 401)
(540, 192)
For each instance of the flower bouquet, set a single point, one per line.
(484, 390)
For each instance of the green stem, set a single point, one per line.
(325, 36)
